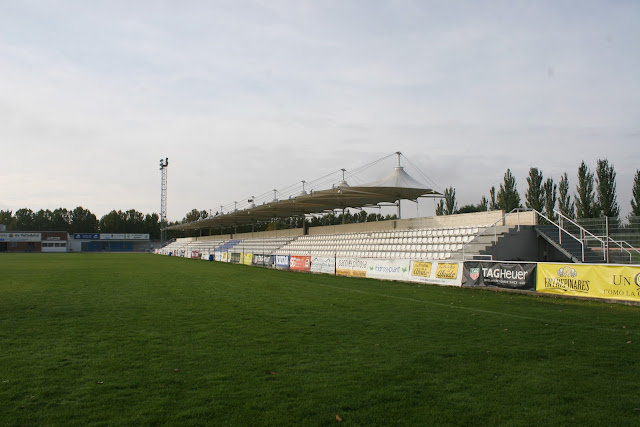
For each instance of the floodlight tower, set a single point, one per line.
(163, 201)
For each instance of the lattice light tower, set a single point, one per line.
(163, 201)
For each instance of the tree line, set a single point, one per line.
(330, 218)
(595, 195)
(81, 220)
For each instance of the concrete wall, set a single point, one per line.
(522, 218)
(291, 232)
(460, 220)
(517, 246)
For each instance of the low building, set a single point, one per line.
(46, 241)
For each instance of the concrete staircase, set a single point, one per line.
(568, 244)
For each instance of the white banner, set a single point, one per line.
(20, 237)
(136, 236)
(321, 264)
(108, 236)
(436, 272)
(388, 269)
(353, 267)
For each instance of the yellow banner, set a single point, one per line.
(597, 281)
(422, 269)
(246, 259)
(447, 271)
(351, 273)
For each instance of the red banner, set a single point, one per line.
(300, 263)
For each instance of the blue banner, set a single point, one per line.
(86, 236)
(282, 261)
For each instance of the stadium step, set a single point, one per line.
(570, 246)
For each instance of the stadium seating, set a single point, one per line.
(428, 243)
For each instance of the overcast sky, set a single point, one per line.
(248, 96)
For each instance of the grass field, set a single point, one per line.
(145, 339)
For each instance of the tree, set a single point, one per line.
(550, 191)
(606, 190)
(83, 221)
(534, 196)
(25, 220)
(6, 218)
(152, 226)
(448, 205)
(193, 215)
(493, 204)
(635, 191)
(61, 220)
(113, 222)
(483, 206)
(565, 205)
(43, 220)
(469, 209)
(133, 221)
(586, 206)
(508, 197)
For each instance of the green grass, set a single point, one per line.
(147, 340)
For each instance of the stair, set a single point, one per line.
(569, 246)
(481, 247)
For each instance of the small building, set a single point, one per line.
(110, 242)
(55, 241)
(46, 241)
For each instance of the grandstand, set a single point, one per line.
(457, 237)
(522, 249)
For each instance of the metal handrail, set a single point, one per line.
(563, 216)
(621, 243)
(604, 243)
(517, 211)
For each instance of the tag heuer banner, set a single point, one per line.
(500, 274)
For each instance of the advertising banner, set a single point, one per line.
(597, 281)
(388, 269)
(136, 237)
(224, 256)
(234, 257)
(20, 237)
(110, 236)
(300, 263)
(262, 260)
(86, 236)
(321, 264)
(282, 262)
(246, 259)
(500, 274)
(438, 273)
(352, 267)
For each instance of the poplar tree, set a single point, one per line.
(607, 200)
(565, 205)
(493, 204)
(586, 206)
(534, 196)
(483, 206)
(508, 197)
(448, 205)
(550, 191)
(635, 192)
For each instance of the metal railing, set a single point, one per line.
(502, 221)
(605, 241)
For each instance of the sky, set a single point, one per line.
(244, 97)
